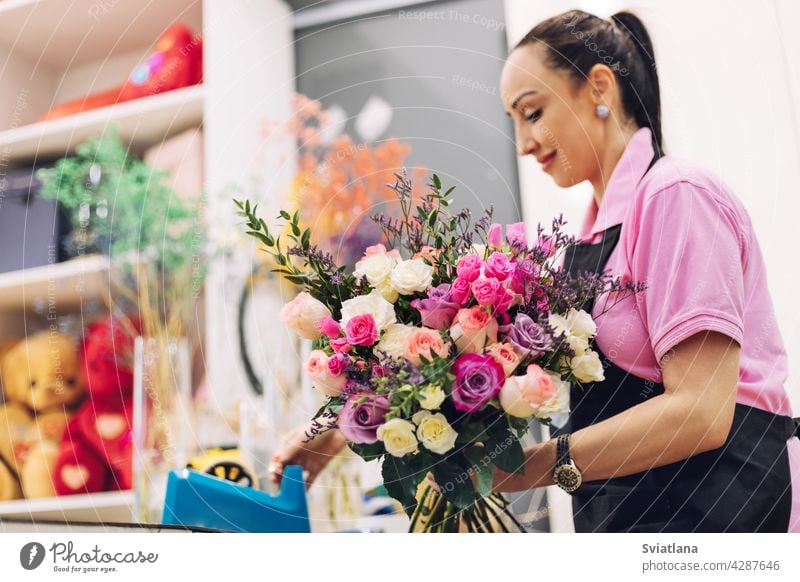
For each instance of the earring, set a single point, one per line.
(602, 111)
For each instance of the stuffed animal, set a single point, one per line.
(96, 452)
(176, 62)
(41, 387)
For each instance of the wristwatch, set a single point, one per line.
(566, 475)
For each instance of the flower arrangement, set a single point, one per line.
(440, 347)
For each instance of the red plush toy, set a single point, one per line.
(96, 451)
(176, 62)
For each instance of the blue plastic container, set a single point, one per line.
(199, 499)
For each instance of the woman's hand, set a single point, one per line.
(312, 456)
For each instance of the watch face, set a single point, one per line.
(567, 477)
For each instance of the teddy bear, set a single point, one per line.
(41, 388)
(96, 452)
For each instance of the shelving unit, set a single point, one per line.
(54, 51)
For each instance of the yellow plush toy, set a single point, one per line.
(41, 385)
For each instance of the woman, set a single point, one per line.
(691, 429)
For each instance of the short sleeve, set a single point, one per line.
(689, 253)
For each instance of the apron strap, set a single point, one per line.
(795, 428)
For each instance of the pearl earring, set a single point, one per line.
(602, 111)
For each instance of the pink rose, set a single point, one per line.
(473, 329)
(428, 253)
(522, 396)
(485, 291)
(424, 341)
(494, 238)
(499, 267)
(547, 247)
(340, 345)
(380, 249)
(460, 291)
(321, 377)
(304, 314)
(329, 327)
(361, 330)
(502, 300)
(515, 234)
(337, 364)
(469, 267)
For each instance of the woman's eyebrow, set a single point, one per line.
(517, 100)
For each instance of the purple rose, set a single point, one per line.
(478, 379)
(515, 234)
(469, 267)
(499, 267)
(438, 310)
(460, 291)
(359, 422)
(527, 336)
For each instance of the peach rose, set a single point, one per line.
(321, 377)
(522, 396)
(424, 341)
(472, 329)
(304, 314)
(504, 354)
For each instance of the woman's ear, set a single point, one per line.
(603, 85)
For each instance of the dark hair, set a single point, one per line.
(576, 41)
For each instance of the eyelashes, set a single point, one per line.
(534, 116)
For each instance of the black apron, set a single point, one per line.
(744, 486)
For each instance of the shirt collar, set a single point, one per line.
(621, 186)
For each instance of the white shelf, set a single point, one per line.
(60, 35)
(142, 122)
(110, 507)
(65, 284)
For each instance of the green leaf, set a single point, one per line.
(399, 480)
(455, 483)
(504, 448)
(483, 467)
(437, 183)
(471, 432)
(368, 452)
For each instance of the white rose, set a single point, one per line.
(387, 291)
(587, 367)
(303, 314)
(398, 437)
(412, 276)
(578, 344)
(376, 268)
(432, 397)
(478, 249)
(559, 323)
(382, 311)
(559, 402)
(394, 339)
(581, 323)
(434, 432)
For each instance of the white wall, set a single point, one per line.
(730, 83)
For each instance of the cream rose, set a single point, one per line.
(412, 276)
(398, 437)
(303, 314)
(394, 340)
(434, 432)
(581, 324)
(382, 311)
(587, 367)
(377, 268)
(432, 397)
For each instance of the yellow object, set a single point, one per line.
(226, 464)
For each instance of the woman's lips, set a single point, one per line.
(547, 161)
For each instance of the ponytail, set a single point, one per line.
(576, 41)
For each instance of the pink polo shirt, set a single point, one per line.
(687, 236)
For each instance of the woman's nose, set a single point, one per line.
(525, 146)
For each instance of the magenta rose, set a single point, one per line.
(461, 292)
(330, 327)
(359, 421)
(337, 364)
(469, 267)
(340, 345)
(438, 310)
(499, 267)
(478, 379)
(502, 301)
(485, 291)
(361, 330)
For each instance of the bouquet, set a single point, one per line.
(437, 351)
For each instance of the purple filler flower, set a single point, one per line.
(478, 380)
(527, 336)
(438, 310)
(359, 422)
